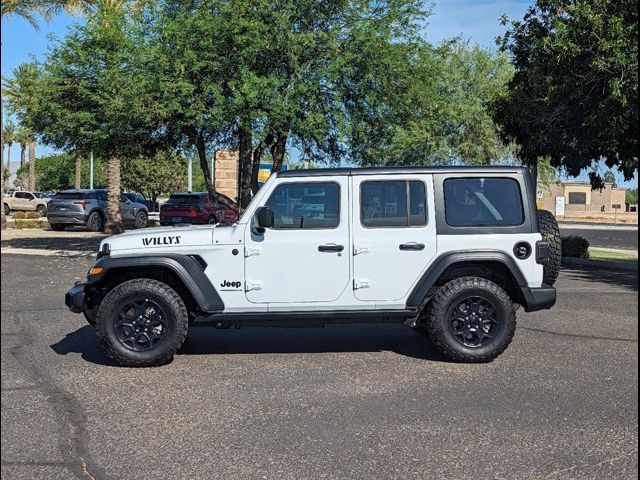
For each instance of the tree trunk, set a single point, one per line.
(278, 150)
(246, 164)
(9, 158)
(201, 148)
(32, 166)
(23, 154)
(257, 158)
(78, 183)
(113, 224)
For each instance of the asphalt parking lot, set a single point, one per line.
(335, 402)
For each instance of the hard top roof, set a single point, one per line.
(347, 171)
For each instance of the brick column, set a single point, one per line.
(226, 175)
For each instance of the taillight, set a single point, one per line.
(81, 202)
(194, 211)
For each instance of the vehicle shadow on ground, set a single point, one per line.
(255, 341)
(84, 342)
(90, 244)
(619, 278)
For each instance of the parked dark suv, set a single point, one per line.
(87, 208)
(194, 208)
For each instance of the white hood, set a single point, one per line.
(168, 239)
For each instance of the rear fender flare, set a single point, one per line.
(420, 292)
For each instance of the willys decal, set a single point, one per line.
(168, 240)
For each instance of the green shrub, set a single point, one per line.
(26, 215)
(576, 247)
(24, 224)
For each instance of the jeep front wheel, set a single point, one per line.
(141, 323)
(471, 320)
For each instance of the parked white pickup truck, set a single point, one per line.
(22, 201)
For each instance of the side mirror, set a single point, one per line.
(263, 219)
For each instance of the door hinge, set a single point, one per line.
(359, 283)
(252, 285)
(251, 251)
(360, 249)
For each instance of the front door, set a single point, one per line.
(304, 258)
(394, 235)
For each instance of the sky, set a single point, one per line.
(475, 20)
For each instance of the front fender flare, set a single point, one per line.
(186, 268)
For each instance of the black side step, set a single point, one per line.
(303, 319)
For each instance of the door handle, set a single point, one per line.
(412, 246)
(330, 248)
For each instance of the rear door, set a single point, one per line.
(304, 258)
(394, 234)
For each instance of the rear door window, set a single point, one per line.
(396, 203)
(483, 202)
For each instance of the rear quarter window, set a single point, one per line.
(483, 202)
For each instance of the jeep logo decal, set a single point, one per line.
(170, 240)
(229, 285)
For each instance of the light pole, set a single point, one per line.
(190, 173)
(91, 170)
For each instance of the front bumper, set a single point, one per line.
(75, 299)
(541, 298)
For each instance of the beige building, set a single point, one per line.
(578, 197)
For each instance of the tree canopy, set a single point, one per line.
(574, 95)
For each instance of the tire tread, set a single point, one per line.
(438, 306)
(138, 285)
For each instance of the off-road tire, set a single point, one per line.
(42, 210)
(7, 209)
(142, 220)
(550, 231)
(57, 227)
(443, 301)
(142, 288)
(95, 222)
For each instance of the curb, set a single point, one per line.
(584, 262)
(47, 253)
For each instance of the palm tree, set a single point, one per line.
(9, 136)
(23, 137)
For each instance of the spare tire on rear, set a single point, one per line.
(550, 232)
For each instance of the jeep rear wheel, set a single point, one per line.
(141, 323)
(550, 231)
(471, 320)
(7, 209)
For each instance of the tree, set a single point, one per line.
(57, 172)
(574, 96)
(23, 137)
(631, 196)
(154, 176)
(609, 177)
(9, 136)
(261, 76)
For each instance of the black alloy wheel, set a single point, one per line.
(473, 321)
(140, 325)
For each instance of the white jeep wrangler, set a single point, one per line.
(451, 252)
